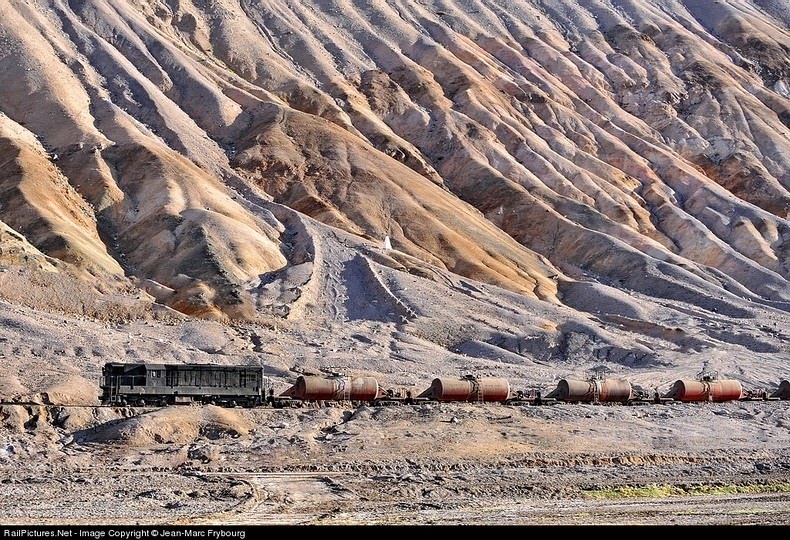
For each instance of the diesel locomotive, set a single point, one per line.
(168, 384)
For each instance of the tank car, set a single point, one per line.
(316, 389)
(593, 390)
(706, 389)
(164, 384)
(469, 389)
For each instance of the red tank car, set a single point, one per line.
(707, 390)
(317, 388)
(594, 390)
(468, 388)
(707, 387)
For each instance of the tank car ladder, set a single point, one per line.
(344, 392)
(347, 389)
(597, 380)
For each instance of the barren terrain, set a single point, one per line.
(531, 190)
(69, 461)
(412, 465)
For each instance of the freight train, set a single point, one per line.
(247, 386)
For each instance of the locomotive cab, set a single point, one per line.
(123, 384)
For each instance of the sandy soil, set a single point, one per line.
(435, 464)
